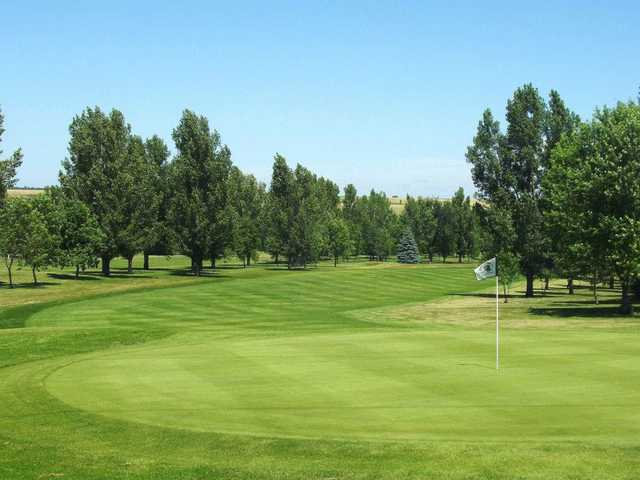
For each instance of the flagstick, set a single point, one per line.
(497, 329)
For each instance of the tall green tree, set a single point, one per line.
(199, 179)
(419, 216)
(463, 225)
(248, 202)
(593, 191)
(141, 198)
(158, 239)
(352, 217)
(508, 170)
(444, 238)
(305, 237)
(280, 207)
(97, 172)
(378, 226)
(8, 167)
(338, 238)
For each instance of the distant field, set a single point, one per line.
(24, 192)
(367, 371)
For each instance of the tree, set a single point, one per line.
(508, 171)
(378, 225)
(407, 250)
(39, 231)
(444, 238)
(141, 195)
(463, 225)
(305, 240)
(419, 216)
(199, 180)
(27, 235)
(13, 217)
(247, 199)
(352, 217)
(279, 207)
(592, 190)
(338, 239)
(157, 157)
(8, 167)
(508, 269)
(80, 235)
(97, 172)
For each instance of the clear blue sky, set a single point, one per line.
(382, 96)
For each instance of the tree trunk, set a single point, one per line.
(213, 263)
(244, 262)
(612, 282)
(506, 294)
(145, 264)
(77, 272)
(595, 289)
(627, 307)
(9, 267)
(335, 260)
(276, 259)
(33, 272)
(106, 265)
(460, 258)
(248, 260)
(130, 264)
(570, 286)
(196, 266)
(529, 291)
(546, 282)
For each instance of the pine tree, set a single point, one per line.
(407, 248)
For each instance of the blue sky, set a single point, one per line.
(385, 96)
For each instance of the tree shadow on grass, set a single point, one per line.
(580, 312)
(69, 276)
(29, 285)
(517, 294)
(113, 274)
(186, 272)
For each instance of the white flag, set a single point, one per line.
(486, 270)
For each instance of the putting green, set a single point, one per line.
(294, 358)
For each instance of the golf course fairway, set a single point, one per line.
(361, 371)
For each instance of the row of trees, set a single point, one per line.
(562, 195)
(120, 195)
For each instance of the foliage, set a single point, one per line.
(593, 193)
(339, 240)
(407, 251)
(8, 167)
(100, 172)
(198, 209)
(508, 169)
(78, 231)
(508, 270)
(378, 227)
(248, 203)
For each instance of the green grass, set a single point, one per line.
(361, 371)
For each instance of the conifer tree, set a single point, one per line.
(407, 249)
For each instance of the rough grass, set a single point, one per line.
(364, 371)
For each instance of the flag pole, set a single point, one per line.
(497, 328)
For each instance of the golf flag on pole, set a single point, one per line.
(486, 270)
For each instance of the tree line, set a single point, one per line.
(561, 195)
(122, 195)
